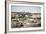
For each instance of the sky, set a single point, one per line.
(31, 9)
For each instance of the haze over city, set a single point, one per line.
(31, 9)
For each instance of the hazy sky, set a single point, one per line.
(32, 9)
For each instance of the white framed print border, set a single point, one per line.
(33, 12)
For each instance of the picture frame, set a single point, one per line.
(21, 6)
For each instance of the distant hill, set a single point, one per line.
(26, 13)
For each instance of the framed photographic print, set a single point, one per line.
(24, 16)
